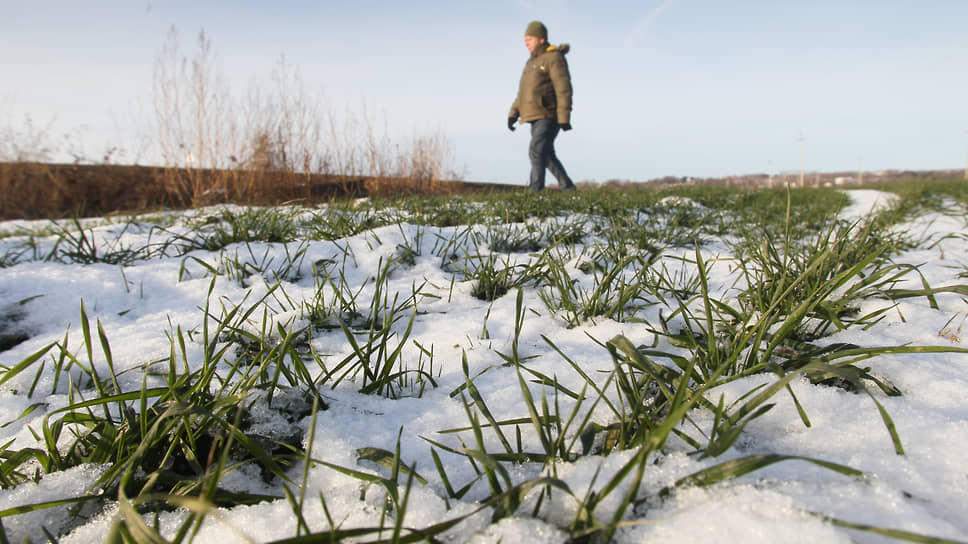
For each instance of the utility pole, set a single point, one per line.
(860, 170)
(801, 159)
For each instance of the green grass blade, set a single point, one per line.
(893, 533)
(738, 467)
(22, 365)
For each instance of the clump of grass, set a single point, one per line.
(77, 245)
(492, 281)
(517, 240)
(240, 268)
(444, 212)
(376, 354)
(334, 223)
(493, 277)
(334, 299)
(411, 248)
(176, 440)
(214, 232)
(618, 291)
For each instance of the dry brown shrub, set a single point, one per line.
(277, 141)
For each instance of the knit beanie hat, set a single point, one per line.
(537, 29)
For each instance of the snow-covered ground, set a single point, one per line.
(924, 491)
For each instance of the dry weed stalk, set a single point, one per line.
(279, 142)
(197, 129)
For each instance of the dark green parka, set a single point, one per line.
(545, 88)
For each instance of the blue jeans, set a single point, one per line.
(542, 154)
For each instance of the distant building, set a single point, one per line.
(844, 180)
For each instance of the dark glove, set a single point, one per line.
(511, 122)
(565, 126)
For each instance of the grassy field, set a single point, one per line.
(279, 318)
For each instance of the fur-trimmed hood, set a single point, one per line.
(563, 48)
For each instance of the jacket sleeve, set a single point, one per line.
(515, 112)
(561, 80)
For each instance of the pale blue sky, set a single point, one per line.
(675, 87)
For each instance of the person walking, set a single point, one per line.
(544, 101)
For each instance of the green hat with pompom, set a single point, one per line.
(537, 29)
